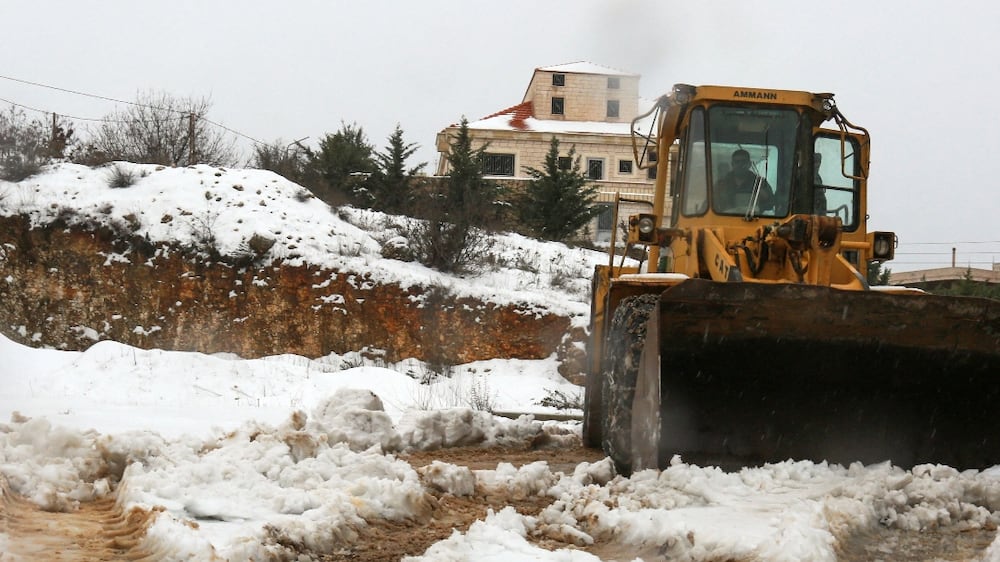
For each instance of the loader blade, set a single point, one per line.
(753, 373)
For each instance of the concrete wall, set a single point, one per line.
(585, 97)
(529, 150)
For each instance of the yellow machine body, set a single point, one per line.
(749, 333)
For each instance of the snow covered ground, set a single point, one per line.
(288, 447)
(291, 450)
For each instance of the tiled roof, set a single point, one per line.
(518, 113)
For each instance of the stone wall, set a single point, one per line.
(65, 288)
(585, 96)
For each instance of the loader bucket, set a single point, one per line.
(750, 373)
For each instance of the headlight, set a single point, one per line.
(883, 246)
(642, 229)
(647, 224)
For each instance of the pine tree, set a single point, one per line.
(459, 212)
(391, 185)
(877, 275)
(342, 165)
(469, 198)
(560, 200)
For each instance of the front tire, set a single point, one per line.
(624, 345)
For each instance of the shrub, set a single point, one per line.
(24, 145)
(562, 400)
(18, 169)
(121, 177)
(448, 247)
(481, 397)
(288, 160)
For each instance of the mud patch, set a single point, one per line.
(384, 540)
(893, 545)
(95, 531)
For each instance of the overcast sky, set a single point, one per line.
(912, 73)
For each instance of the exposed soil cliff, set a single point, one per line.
(68, 287)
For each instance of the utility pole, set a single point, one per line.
(191, 156)
(52, 138)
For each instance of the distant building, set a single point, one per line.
(587, 107)
(945, 277)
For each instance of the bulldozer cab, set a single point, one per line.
(740, 158)
(761, 163)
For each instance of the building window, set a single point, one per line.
(595, 168)
(625, 167)
(498, 164)
(558, 79)
(565, 163)
(605, 220)
(605, 223)
(557, 106)
(613, 83)
(651, 173)
(612, 108)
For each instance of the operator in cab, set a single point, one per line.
(736, 189)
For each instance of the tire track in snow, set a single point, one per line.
(97, 531)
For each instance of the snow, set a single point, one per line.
(502, 122)
(584, 67)
(285, 450)
(200, 204)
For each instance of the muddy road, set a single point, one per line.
(97, 531)
(101, 531)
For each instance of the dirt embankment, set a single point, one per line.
(61, 289)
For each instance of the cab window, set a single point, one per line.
(835, 193)
(752, 156)
(695, 192)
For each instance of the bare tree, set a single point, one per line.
(157, 129)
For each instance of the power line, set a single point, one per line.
(67, 90)
(947, 253)
(44, 112)
(950, 243)
(232, 131)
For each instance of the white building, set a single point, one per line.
(585, 106)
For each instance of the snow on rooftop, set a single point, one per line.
(504, 123)
(584, 67)
(515, 118)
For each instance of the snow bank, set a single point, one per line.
(320, 461)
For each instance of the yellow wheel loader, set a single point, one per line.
(749, 333)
